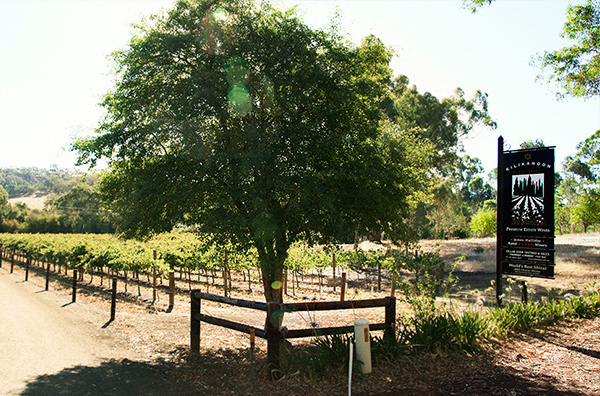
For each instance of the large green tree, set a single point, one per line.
(239, 119)
(587, 211)
(4, 204)
(443, 124)
(582, 181)
(81, 211)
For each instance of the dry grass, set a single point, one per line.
(33, 201)
(577, 261)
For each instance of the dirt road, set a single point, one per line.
(50, 346)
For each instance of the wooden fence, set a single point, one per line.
(273, 333)
(27, 262)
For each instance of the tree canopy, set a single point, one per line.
(586, 162)
(241, 120)
(442, 122)
(576, 68)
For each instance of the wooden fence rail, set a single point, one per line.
(273, 332)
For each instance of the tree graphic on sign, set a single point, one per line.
(528, 199)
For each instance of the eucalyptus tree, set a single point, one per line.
(576, 68)
(581, 184)
(4, 204)
(239, 119)
(586, 162)
(442, 124)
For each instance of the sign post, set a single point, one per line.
(525, 237)
(499, 217)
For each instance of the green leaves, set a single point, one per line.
(483, 224)
(576, 68)
(441, 122)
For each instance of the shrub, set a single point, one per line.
(483, 224)
(429, 329)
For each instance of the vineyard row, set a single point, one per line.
(194, 264)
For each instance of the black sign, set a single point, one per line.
(526, 212)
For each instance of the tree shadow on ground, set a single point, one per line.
(230, 372)
(500, 382)
(112, 377)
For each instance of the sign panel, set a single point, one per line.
(526, 208)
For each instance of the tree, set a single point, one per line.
(582, 177)
(4, 204)
(240, 120)
(473, 188)
(81, 211)
(530, 144)
(449, 213)
(587, 210)
(483, 224)
(586, 162)
(576, 69)
(474, 5)
(442, 122)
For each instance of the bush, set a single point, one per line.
(483, 224)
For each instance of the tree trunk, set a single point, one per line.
(273, 290)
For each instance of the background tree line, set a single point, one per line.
(72, 202)
(462, 204)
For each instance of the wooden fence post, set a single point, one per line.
(333, 269)
(74, 297)
(195, 323)
(390, 318)
(524, 296)
(343, 287)
(113, 302)
(273, 342)
(154, 279)
(225, 288)
(47, 275)
(225, 271)
(27, 263)
(171, 287)
(12, 262)
(378, 275)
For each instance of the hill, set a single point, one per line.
(22, 182)
(33, 201)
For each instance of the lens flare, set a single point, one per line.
(276, 285)
(239, 99)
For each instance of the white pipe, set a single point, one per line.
(350, 369)
(363, 344)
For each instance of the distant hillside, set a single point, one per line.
(33, 201)
(22, 183)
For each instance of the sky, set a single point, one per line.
(55, 66)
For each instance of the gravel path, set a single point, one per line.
(50, 346)
(42, 333)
